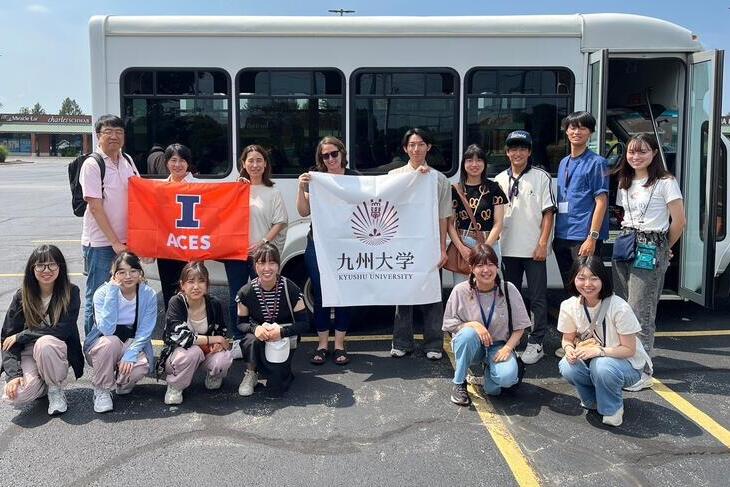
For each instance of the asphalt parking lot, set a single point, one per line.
(376, 421)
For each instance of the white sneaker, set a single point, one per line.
(644, 382)
(102, 401)
(173, 396)
(432, 355)
(475, 380)
(560, 353)
(56, 400)
(250, 379)
(397, 352)
(213, 382)
(615, 419)
(236, 351)
(533, 352)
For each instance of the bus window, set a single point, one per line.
(500, 100)
(187, 106)
(385, 103)
(287, 111)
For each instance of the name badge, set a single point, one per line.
(562, 207)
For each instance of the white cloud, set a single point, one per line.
(37, 9)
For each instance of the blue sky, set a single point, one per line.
(44, 52)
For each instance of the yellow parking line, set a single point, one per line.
(350, 338)
(518, 463)
(72, 274)
(54, 241)
(701, 333)
(685, 407)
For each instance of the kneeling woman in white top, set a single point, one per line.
(119, 345)
(603, 353)
(195, 335)
(486, 321)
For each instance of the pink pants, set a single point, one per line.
(183, 363)
(44, 363)
(105, 356)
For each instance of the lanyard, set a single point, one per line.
(488, 321)
(593, 325)
(269, 314)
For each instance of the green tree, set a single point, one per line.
(24, 111)
(70, 107)
(37, 109)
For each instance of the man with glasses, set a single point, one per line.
(528, 226)
(104, 231)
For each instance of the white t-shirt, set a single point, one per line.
(634, 201)
(266, 209)
(126, 310)
(523, 213)
(199, 326)
(620, 320)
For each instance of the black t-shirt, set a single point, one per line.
(482, 198)
(264, 306)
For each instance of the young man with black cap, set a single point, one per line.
(528, 226)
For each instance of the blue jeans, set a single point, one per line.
(600, 384)
(469, 350)
(322, 315)
(97, 264)
(237, 273)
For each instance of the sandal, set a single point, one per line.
(319, 357)
(340, 357)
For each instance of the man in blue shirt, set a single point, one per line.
(581, 224)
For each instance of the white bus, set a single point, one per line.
(217, 84)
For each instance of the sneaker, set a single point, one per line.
(124, 390)
(644, 382)
(236, 351)
(587, 407)
(213, 382)
(475, 380)
(173, 396)
(102, 401)
(56, 400)
(431, 355)
(615, 419)
(459, 395)
(397, 352)
(560, 353)
(533, 352)
(250, 379)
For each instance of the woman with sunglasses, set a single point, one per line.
(40, 336)
(331, 157)
(485, 199)
(119, 345)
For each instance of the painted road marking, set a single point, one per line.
(685, 407)
(518, 463)
(37, 242)
(353, 338)
(699, 333)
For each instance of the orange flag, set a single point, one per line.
(187, 221)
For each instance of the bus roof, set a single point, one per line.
(623, 32)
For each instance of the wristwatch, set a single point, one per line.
(594, 235)
(603, 352)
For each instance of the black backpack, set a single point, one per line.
(74, 173)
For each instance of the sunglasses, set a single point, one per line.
(327, 155)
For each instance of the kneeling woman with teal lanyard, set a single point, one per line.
(486, 320)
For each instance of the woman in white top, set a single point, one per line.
(603, 353)
(654, 212)
(177, 159)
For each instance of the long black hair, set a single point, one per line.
(472, 152)
(655, 170)
(33, 310)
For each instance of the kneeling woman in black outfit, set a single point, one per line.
(272, 314)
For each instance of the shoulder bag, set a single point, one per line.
(456, 262)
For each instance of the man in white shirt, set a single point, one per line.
(104, 231)
(528, 226)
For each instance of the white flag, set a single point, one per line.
(377, 238)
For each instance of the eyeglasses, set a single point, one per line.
(130, 273)
(112, 132)
(51, 266)
(330, 155)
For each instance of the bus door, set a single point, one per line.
(597, 96)
(700, 172)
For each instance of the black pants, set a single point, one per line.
(566, 251)
(278, 376)
(169, 270)
(536, 272)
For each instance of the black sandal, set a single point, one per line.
(319, 357)
(340, 357)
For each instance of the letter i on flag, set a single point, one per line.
(187, 221)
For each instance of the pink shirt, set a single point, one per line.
(116, 176)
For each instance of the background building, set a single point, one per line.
(45, 135)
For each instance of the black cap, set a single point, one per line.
(519, 138)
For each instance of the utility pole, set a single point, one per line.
(341, 11)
